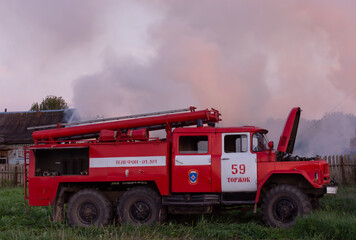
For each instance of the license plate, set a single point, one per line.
(331, 190)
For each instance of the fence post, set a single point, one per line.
(15, 176)
(343, 177)
(2, 176)
(349, 167)
(353, 166)
(333, 160)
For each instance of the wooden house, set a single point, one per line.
(14, 135)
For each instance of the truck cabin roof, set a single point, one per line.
(220, 130)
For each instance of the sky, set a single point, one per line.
(252, 60)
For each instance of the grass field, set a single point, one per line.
(335, 220)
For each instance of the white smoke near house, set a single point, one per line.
(250, 59)
(329, 135)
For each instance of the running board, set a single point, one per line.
(191, 200)
(238, 202)
(238, 198)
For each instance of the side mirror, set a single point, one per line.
(270, 145)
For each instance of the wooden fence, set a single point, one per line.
(342, 170)
(12, 175)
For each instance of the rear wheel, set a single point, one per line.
(89, 207)
(283, 204)
(141, 206)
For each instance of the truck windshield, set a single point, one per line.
(259, 142)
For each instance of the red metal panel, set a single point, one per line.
(287, 140)
(216, 162)
(42, 190)
(137, 171)
(307, 169)
(181, 181)
(221, 130)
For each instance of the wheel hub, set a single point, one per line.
(88, 213)
(285, 210)
(140, 211)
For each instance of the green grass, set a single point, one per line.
(335, 220)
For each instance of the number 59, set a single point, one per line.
(238, 168)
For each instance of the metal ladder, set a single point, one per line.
(191, 109)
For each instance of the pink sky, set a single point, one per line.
(250, 59)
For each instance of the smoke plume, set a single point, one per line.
(250, 59)
(329, 135)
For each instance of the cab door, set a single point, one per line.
(191, 163)
(238, 164)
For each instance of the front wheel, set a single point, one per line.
(141, 206)
(283, 204)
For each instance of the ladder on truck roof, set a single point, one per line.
(152, 121)
(191, 109)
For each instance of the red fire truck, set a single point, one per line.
(114, 169)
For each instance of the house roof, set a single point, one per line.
(13, 125)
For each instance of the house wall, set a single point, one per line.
(16, 155)
(3, 156)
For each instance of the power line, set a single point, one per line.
(343, 100)
(332, 110)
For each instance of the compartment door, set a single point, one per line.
(191, 164)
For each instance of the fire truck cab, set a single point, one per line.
(100, 171)
(216, 159)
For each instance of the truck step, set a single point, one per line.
(238, 202)
(191, 200)
(238, 198)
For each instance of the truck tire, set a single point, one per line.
(89, 207)
(141, 206)
(283, 204)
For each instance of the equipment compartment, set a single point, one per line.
(61, 161)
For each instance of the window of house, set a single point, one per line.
(235, 143)
(193, 144)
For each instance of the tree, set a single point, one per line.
(50, 103)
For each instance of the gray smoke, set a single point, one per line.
(329, 135)
(250, 59)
